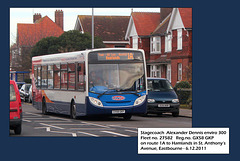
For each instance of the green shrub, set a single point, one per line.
(182, 91)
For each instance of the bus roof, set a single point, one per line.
(76, 56)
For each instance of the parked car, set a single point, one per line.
(24, 92)
(30, 94)
(20, 84)
(15, 108)
(161, 97)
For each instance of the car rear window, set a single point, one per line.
(12, 93)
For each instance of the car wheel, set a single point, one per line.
(175, 114)
(18, 129)
(44, 107)
(73, 110)
(127, 117)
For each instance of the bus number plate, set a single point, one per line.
(118, 111)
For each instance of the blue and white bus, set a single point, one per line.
(108, 81)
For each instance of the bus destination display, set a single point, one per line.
(115, 56)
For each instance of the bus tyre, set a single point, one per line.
(73, 110)
(44, 107)
(127, 117)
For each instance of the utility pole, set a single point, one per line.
(92, 28)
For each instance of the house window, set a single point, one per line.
(169, 72)
(155, 44)
(179, 71)
(155, 71)
(135, 42)
(168, 43)
(179, 39)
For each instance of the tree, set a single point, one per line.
(69, 41)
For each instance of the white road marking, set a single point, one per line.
(47, 128)
(123, 126)
(26, 120)
(32, 114)
(95, 124)
(131, 131)
(91, 129)
(88, 134)
(114, 133)
(52, 126)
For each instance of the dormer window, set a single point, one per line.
(155, 45)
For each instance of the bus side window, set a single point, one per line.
(71, 76)
(44, 77)
(50, 77)
(81, 84)
(39, 77)
(63, 76)
(56, 76)
(35, 75)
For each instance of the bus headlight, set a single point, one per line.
(139, 100)
(95, 101)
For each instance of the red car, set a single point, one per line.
(15, 108)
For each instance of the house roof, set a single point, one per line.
(162, 27)
(186, 15)
(145, 22)
(30, 34)
(109, 28)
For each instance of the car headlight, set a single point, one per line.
(175, 100)
(139, 100)
(151, 100)
(95, 101)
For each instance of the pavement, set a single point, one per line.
(185, 112)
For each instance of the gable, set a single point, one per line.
(131, 30)
(177, 21)
(181, 18)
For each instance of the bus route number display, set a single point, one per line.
(115, 56)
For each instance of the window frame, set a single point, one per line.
(154, 43)
(179, 39)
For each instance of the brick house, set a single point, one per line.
(29, 34)
(111, 29)
(167, 44)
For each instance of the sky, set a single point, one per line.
(25, 15)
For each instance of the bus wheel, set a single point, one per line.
(73, 110)
(127, 117)
(44, 107)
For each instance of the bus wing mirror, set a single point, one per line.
(79, 68)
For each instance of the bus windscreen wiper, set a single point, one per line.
(102, 93)
(132, 92)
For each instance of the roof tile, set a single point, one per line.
(30, 34)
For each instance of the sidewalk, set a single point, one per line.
(185, 112)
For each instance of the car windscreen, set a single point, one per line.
(159, 85)
(12, 93)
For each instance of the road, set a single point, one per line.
(53, 125)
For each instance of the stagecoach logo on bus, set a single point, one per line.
(118, 98)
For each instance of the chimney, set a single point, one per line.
(36, 17)
(59, 18)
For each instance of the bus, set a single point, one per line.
(107, 81)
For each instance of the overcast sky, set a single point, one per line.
(25, 15)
